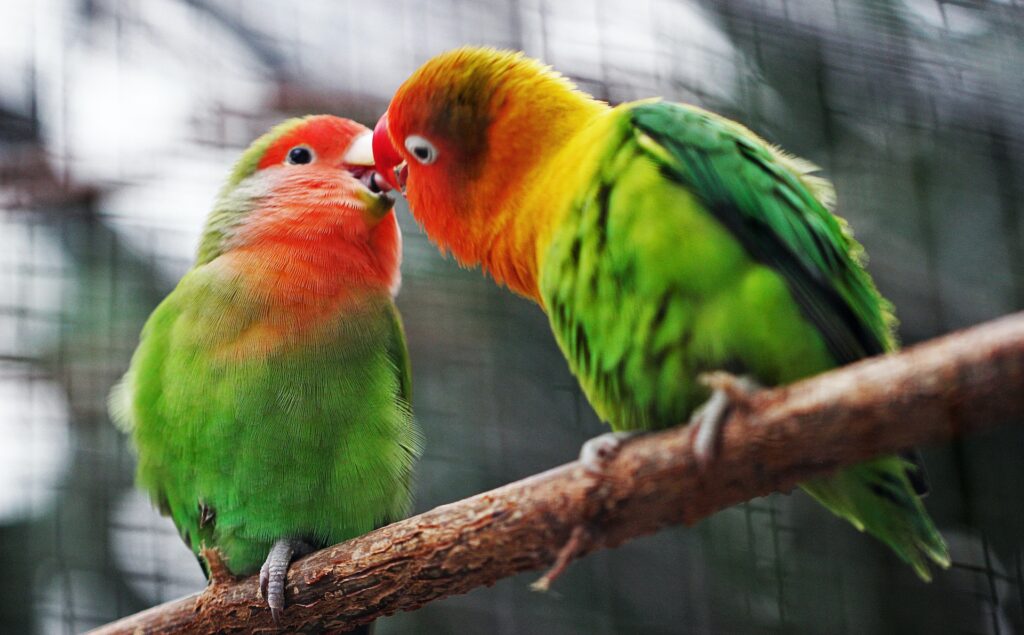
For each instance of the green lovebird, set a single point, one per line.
(664, 243)
(269, 397)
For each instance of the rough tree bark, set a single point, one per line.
(961, 383)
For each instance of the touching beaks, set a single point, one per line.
(358, 161)
(361, 151)
(389, 163)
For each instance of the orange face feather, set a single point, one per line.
(302, 231)
(477, 129)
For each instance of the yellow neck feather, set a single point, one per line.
(531, 192)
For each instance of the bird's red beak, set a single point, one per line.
(389, 164)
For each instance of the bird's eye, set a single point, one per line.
(421, 149)
(299, 155)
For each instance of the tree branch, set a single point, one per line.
(961, 383)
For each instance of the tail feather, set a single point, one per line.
(878, 497)
(917, 475)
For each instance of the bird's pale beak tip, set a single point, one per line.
(360, 152)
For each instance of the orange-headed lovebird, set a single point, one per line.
(664, 243)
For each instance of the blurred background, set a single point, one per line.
(120, 118)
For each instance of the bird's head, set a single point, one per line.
(307, 186)
(464, 133)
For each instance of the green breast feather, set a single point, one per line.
(314, 440)
(695, 247)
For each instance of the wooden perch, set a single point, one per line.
(961, 383)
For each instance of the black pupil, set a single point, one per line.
(300, 156)
(422, 152)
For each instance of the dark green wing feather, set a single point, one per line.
(399, 354)
(767, 202)
(398, 351)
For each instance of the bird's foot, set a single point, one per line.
(274, 572)
(597, 452)
(727, 392)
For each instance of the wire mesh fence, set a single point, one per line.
(119, 118)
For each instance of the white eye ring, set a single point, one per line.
(421, 149)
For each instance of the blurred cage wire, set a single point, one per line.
(119, 118)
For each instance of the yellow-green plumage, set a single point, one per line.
(696, 247)
(662, 241)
